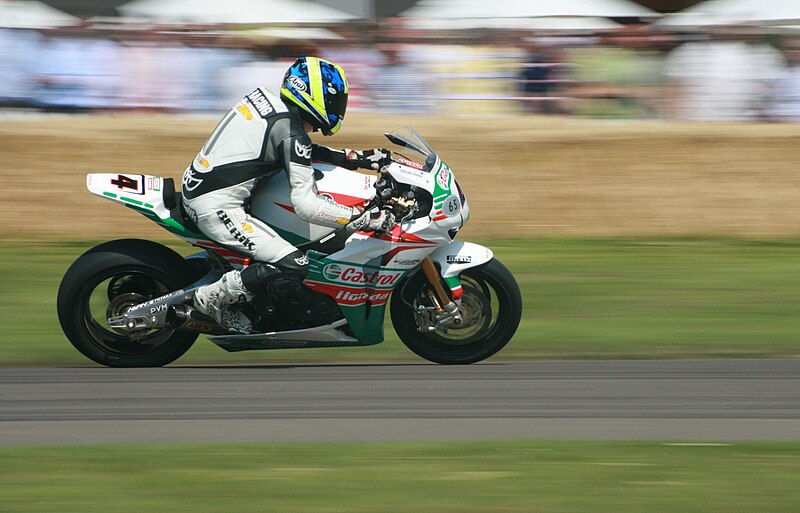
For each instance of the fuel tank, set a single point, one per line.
(272, 204)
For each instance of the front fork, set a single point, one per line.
(444, 313)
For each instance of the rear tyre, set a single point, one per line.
(104, 282)
(491, 307)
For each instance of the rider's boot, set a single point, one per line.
(220, 300)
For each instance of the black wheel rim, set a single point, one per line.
(110, 294)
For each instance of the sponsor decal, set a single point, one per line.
(332, 271)
(303, 260)
(190, 181)
(153, 183)
(297, 83)
(260, 102)
(289, 343)
(156, 309)
(247, 227)
(131, 183)
(359, 297)
(152, 302)
(245, 111)
(202, 327)
(190, 212)
(353, 275)
(200, 166)
(322, 216)
(443, 178)
(244, 241)
(451, 206)
(459, 259)
(406, 162)
(302, 150)
(407, 261)
(331, 90)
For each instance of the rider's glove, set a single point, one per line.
(368, 159)
(373, 220)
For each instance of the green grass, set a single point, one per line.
(633, 298)
(482, 477)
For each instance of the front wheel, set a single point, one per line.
(107, 280)
(491, 308)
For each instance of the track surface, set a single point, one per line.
(703, 400)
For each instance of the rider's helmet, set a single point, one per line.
(318, 90)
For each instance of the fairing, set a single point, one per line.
(360, 276)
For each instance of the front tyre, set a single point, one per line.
(491, 307)
(110, 278)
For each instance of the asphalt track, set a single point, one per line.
(693, 400)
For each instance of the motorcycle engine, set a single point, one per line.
(295, 308)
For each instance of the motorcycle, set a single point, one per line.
(128, 302)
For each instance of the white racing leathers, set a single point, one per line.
(257, 139)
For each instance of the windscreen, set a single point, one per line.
(418, 148)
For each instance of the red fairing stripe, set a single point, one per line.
(394, 252)
(457, 293)
(344, 199)
(398, 235)
(231, 256)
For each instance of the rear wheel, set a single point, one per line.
(491, 308)
(105, 282)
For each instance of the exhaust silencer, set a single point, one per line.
(186, 318)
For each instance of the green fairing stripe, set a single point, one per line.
(110, 195)
(136, 202)
(438, 191)
(453, 282)
(290, 237)
(367, 326)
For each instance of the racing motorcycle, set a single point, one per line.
(128, 302)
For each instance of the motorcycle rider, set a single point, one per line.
(260, 136)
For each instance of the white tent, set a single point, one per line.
(281, 33)
(33, 14)
(233, 11)
(730, 12)
(546, 23)
(527, 9)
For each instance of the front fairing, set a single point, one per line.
(450, 210)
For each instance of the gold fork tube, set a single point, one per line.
(435, 280)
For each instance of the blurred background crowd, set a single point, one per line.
(618, 59)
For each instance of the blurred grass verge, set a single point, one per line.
(604, 298)
(470, 477)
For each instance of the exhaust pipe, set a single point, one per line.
(186, 318)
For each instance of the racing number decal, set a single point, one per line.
(126, 182)
(452, 206)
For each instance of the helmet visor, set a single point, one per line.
(335, 106)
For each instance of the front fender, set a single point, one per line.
(455, 257)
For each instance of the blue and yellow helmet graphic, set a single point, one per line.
(319, 88)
